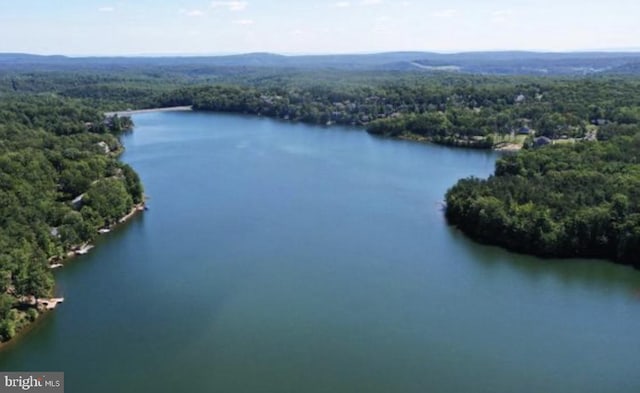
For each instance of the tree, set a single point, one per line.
(109, 198)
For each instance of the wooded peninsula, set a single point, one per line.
(573, 189)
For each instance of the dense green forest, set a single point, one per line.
(60, 180)
(52, 151)
(468, 111)
(579, 200)
(453, 109)
(446, 109)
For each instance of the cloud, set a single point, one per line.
(382, 24)
(243, 22)
(106, 9)
(193, 13)
(501, 15)
(230, 5)
(447, 13)
(345, 4)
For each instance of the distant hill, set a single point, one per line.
(507, 63)
(629, 68)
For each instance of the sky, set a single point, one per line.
(192, 27)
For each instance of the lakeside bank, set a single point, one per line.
(47, 305)
(84, 248)
(365, 259)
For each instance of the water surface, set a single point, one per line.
(282, 257)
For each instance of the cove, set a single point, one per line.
(283, 257)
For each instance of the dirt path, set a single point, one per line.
(137, 111)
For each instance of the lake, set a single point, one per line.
(283, 257)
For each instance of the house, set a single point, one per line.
(524, 131)
(542, 141)
(109, 121)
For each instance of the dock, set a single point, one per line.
(84, 249)
(50, 304)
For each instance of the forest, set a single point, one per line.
(447, 108)
(53, 150)
(61, 181)
(579, 200)
(465, 111)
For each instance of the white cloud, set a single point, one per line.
(447, 13)
(194, 13)
(106, 9)
(370, 2)
(501, 15)
(341, 4)
(382, 24)
(230, 5)
(244, 22)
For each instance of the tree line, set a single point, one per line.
(53, 150)
(467, 110)
(60, 179)
(579, 200)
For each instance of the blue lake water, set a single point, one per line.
(283, 257)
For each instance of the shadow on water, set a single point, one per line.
(595, 274)
(41, 327)
(317, 260)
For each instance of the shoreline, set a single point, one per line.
(129, 112)
(508, 148)
(56, 261)
(22, 333)
(61, 261)
(512, 147)
(500, 147)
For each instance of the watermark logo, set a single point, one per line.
(31, 382)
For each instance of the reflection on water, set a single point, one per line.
(590, 274)
(281, 257)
